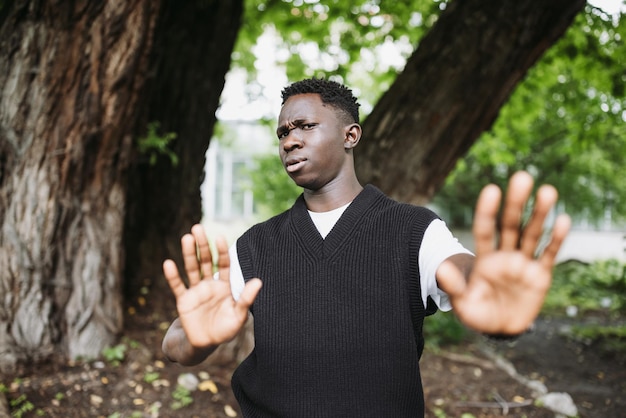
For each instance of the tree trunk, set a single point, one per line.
(452, 88)
(70, 77)
(80, 79)
(192, 55)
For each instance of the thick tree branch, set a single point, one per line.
(452, 88)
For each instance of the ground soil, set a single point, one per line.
(466, 379)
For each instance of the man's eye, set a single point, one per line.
(308, 126)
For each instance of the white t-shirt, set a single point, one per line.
(437, 245)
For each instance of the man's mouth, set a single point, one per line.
(294, 164)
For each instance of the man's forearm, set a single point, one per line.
(177, 348)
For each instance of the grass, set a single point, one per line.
(594, 290)
(596, 287)
(578, 290)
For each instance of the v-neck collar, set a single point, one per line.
(303, 227)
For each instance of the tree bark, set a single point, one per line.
(78, 82)
(191, 57)
(452, 88)
(70, 77)
(194, 42)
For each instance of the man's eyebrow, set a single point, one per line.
(281, 129)
(285, 127)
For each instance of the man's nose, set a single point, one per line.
(292, 140)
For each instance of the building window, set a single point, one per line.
(227, 194)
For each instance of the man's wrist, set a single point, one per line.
(509, 337)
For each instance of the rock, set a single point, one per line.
(189, 381)
(99, 365)
(559, 403)
(96, 400)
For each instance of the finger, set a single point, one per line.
(520, 187)
(173, 278)
(249, 294)
(204, 251)
(485, 219)
(559, 232)
(223, 259)
(546, 198)
(450, 279)
(190, 258)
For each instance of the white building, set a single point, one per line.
(227, 202)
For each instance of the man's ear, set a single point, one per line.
(353, 136)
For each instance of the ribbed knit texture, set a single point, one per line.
(338, 322)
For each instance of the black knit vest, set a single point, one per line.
(338, 322)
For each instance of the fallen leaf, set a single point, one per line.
(229, 411)
(208, 385)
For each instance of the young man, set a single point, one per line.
(348, 276)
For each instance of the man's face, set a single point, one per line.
(311, 138)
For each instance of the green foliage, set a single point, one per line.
(150, 377)
(132, 343)
(598, 286)
(565, 123)
(443, 329)
(225, 135)
(335, 39)
(273, 190)
(610, 339)
(182, 398)
(153, 410)
(116, 354)
(440, 413)
(155, 144)
(20, 406)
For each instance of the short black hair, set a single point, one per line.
(331, 92)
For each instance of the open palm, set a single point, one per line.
(506, 286)
(207, 310)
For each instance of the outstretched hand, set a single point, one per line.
(502, 293)
(207, 311)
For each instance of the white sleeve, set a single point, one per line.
(237, 282)
(437, 245)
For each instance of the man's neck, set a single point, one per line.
(332, 196)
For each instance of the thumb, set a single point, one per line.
(450, 279)
(249, 293)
